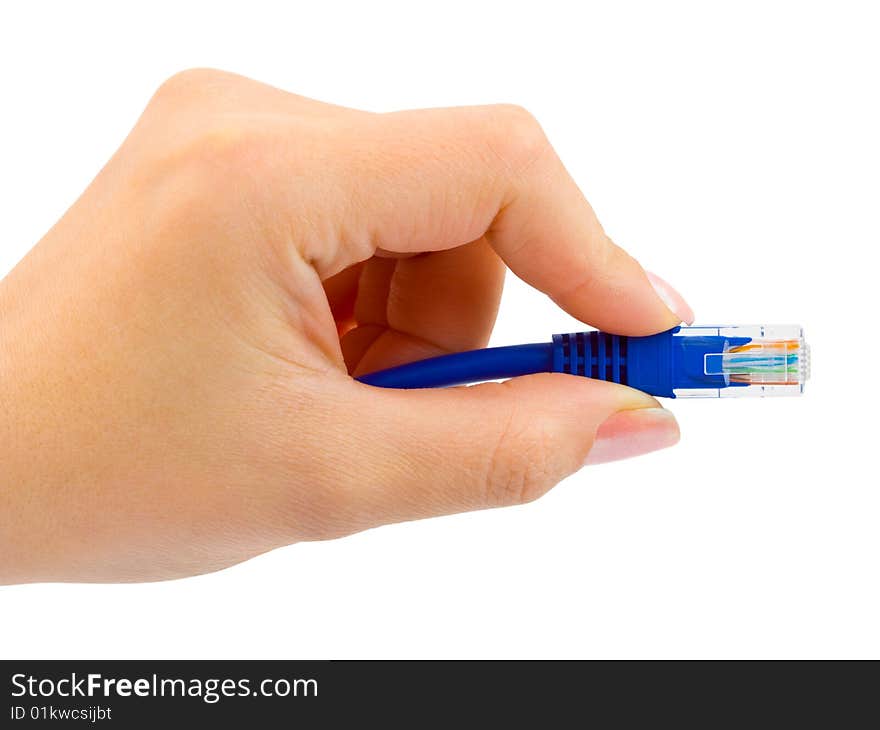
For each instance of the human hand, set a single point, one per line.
(175, 394)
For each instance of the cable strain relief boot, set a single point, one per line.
(596, 355)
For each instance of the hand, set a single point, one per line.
(175, 394)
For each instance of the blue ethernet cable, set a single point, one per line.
(684, 362)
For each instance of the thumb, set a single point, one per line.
(457, 449)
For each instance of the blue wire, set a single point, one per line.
(494, 363)
(656, 364)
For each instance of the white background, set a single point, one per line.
(733, 148)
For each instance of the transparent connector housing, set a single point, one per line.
(755, 360)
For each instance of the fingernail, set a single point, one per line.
(671, 298)
(633, 433)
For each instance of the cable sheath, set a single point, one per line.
(494, 363)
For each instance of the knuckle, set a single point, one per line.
(191, 133)
(182, 86)
(515, 117)
(217, 154)
(516, 136)
(225, 143)
(285, 461)
(520, 468)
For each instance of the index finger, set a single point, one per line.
(434, 179)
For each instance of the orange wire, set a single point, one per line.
(771, 344)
